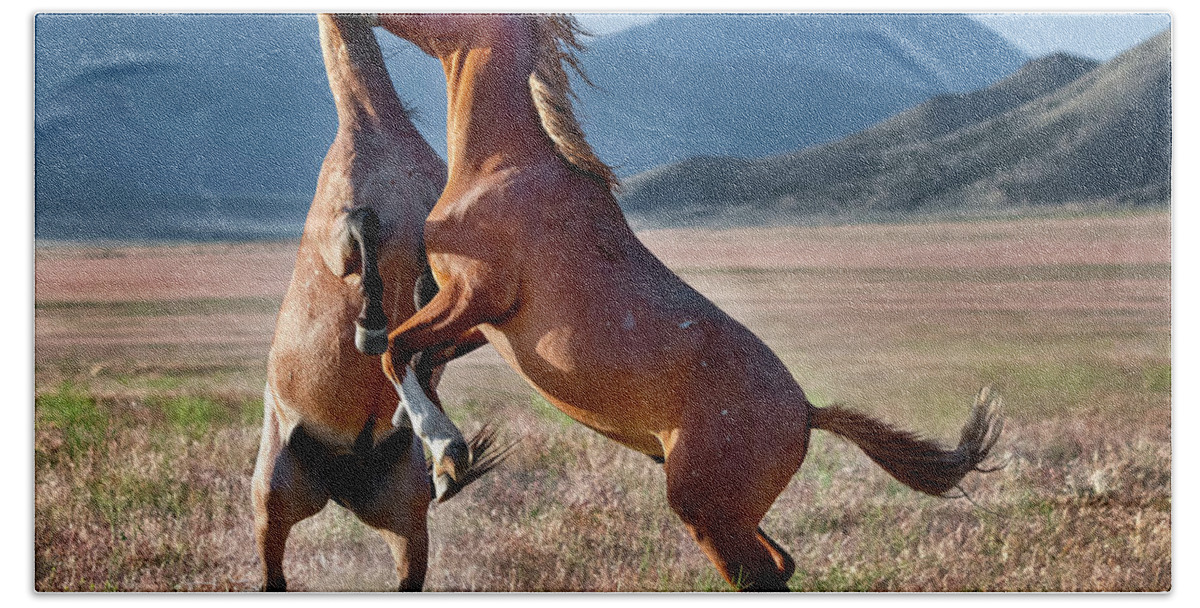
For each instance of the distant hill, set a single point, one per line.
(753, 85)
(747, 84)
(1060, 130)
(214, 126)
(177, 126)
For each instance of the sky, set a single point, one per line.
(1099, 36)
(603, 24)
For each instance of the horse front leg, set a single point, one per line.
(431, 362)
(370, 335)
(446, 320)
(451, 456)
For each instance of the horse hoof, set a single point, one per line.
(370, 341)
(411, 587)
(452, 467)
(444, 488)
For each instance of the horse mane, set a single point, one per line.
(556, 40)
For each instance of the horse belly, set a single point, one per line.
(622, 390)
(316, 375)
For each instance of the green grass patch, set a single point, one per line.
(75, 414)
(123, 496)
(708, 581)
(1060, 387)
(548, 412)
(1157, 378)
(838, 578)
(250, 413)
(196, 416)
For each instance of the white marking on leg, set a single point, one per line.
(431, 424)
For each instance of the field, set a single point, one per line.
(150, 362)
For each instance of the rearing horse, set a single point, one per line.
(530, 249)
(328, 430)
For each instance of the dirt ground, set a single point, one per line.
(150, 362)
(76, 274)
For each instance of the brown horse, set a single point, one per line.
(530, 249)
(327, 428)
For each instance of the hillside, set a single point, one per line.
(213, 126)
(754, 85)
(1057, 131)
(746, 85)
(177, 126)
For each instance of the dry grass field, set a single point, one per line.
(149, 366)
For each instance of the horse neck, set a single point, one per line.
(362, 89)
(490, 113)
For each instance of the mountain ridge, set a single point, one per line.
(1060, 130)
(154, 115)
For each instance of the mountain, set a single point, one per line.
(170, 125)
(753, 85)
(746, 84)
(213, 126)
(1059, 130)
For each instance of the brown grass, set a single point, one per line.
(147, 420)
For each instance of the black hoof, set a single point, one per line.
(370, 341)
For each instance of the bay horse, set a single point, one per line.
(530, 249)
(329, 429)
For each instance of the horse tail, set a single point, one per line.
(370, 335)
(918, 463)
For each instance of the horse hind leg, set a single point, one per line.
(394, 500)
(784, 564)
(745, 557)
(721, 501)
(283, 494)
